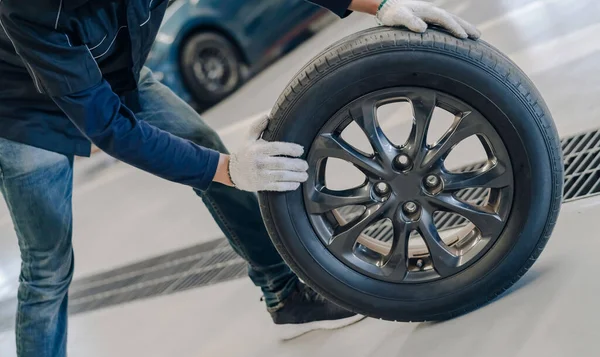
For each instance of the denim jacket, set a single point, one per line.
(65, 67)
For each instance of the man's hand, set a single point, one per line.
(416, 15)
(263, 166)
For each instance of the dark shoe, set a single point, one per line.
(305, 310)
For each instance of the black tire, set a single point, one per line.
(205, 91)
(475, 73)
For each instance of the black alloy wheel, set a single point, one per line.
(407, 185)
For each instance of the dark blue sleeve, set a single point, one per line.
(338, 7)
(100, 115)
(70, 76)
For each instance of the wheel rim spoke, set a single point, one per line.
(495, 177)
(345, 237)
(444, 258)
(365, 115)
(464, 126)
(323, 200)
(423, 107)
(397, 262)
(484, 218)
(329, 145)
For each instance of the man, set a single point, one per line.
(71, 73)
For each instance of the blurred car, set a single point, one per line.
(206, 49)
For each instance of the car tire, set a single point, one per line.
(456, 72)
(211, 67)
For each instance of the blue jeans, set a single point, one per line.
(37, 186)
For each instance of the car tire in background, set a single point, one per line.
(492, 99)
(211, 67)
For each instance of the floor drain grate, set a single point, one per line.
(200, 265)
(581, 155)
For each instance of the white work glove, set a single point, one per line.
(262, 166)
(415, 15)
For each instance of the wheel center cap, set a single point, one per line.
(407, 187)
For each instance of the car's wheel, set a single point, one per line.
(385, 247)
(211, 67)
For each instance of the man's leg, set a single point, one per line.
(236, 212)
(36, 185)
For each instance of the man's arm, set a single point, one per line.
(366, 6)
(71, 77)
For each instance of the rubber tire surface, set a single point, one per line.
(201, 94)
(472, 71)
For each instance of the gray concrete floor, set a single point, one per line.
(123, 215)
